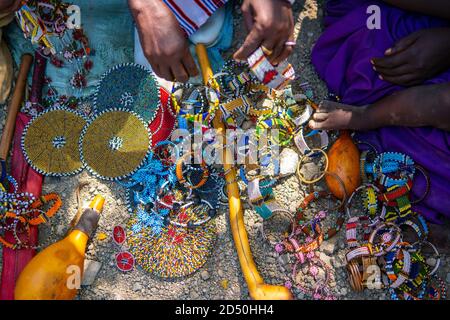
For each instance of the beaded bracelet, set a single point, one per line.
(263, 183)
(310, 154)
(396, 280)
(420, 229)
(352, 227)
(320, 291)
(272, 120)
(212, 213)
(413, 270)
(312, 241)
(179, 172)
(388, 163)
(370, 200)
(436, 290)
(389, 239)
(427, 182)
(437, 257)
(300, 217)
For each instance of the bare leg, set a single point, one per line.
(427, 105)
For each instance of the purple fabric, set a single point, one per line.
(342, 58)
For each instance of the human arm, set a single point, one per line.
(164, 43)
(437, 8)
(7, 6)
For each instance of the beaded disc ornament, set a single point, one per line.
(115, 144)
(176, 252)
(50, 142)
(131, 87)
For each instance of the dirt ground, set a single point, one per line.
(223, 265)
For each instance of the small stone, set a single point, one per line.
(204, 275)
(91, 269)
(325, 258)
(329, 247)
(448, 278)
(224, 283)
(289, 161)
(246, 125)
(91, 246)
(60, 230)
(431, 262)
(137, 286)
(193, 295)
(101, 236)
(310, 170)
(310, 34)
(284, 259)
(220, 273)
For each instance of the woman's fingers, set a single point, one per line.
(394, 72)
(393, 61)
(406, 80)
(251, 43)
(402, 44)
(189, 65)
(165, 73)
(179, 72)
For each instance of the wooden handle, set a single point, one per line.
(14, 106)
(257, 288)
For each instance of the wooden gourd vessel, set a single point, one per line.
(343, 158)
(56, 272)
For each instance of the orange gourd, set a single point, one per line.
(343, 159)
(55, 272)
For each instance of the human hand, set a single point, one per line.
(271, 24)
(416, 58)
(7, 6)
(163, 41)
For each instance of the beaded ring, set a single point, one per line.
(387, 163)
(179, 172)
(312, 152)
